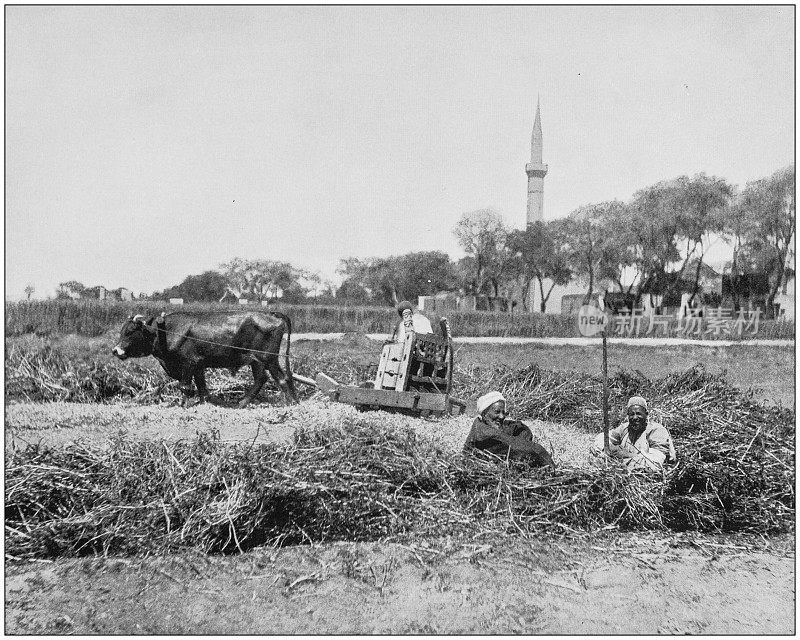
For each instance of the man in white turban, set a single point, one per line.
(491, 432)
(410, 320)
(640, 443)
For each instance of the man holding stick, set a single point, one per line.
(639, 443)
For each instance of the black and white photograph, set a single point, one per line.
(399, 319)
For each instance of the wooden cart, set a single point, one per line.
(416, 374)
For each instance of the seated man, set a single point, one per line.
(505, 438)
(412, 320)
(639, 443)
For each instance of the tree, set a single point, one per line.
(404, 277)
(734, 231)
(483, 236)
(619, 249)
(375, 276)
(351, 291)
(703, 203)
(208, 286)
(464, 269)
(263, 279)
(423, 273)
(589, 241)
(674, 221)
(655, 221)
(312, 284)
(767, 217)
(70, 287)
(539, 257)
(29, 289)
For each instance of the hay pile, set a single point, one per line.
(43, 370)
(358, 478)
(736, 456)
(67, 370)
(567, 443)
(351, 483)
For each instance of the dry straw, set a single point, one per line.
(354, 479)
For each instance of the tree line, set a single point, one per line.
(655, 242)
(255, 280)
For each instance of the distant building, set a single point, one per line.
(97, 293)
(442, 301)
(710, 281)
(122, 294)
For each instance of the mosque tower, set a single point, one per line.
(536, 172)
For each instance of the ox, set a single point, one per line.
(186, 344)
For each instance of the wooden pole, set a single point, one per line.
(304, 380)
(606, 447)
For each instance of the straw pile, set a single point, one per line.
(70, 370)
(81, 370)
(353, 479)
(351, 483)
(736, 456)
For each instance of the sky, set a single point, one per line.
(144, 144)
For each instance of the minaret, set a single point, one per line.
(536, 172)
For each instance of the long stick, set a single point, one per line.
(605, 397)
(304, 380)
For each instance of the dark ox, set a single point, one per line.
(186, 344)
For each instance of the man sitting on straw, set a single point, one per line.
(639, 442)
(505, 438)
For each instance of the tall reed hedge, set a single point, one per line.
(93, 318)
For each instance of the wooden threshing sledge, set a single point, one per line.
(416, 375)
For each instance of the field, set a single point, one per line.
(385, 528)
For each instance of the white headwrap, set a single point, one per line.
(637, 401)
(487, 400)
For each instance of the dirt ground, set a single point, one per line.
(601, 585)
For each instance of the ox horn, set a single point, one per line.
(138, 318)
